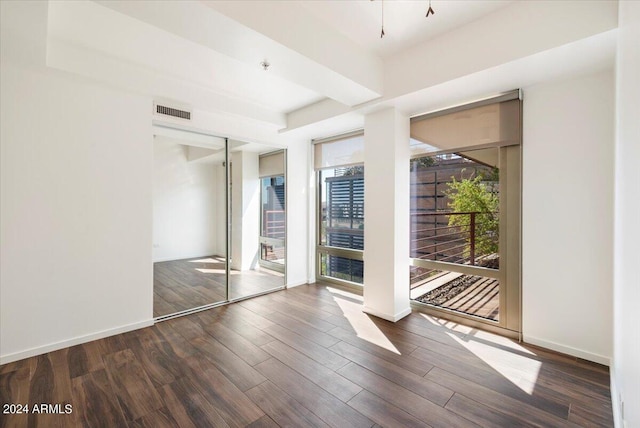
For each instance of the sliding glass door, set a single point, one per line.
(465, 213)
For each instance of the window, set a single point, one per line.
(340, 172)
(465, 212)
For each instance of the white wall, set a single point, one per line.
(568, 215)
(185, 199)
(75, 211)
(625, 373)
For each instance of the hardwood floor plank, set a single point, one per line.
(237, 344)
(197, 372)
(482, 415)
(282, 408)
(157, 357)
(14, 389)
(232, 404)
(13, 366)
(95, 402)
(239, 372)
(309, 348)
(483, 375)
(589, 416)
(50, 384)
(411, 381)
(401, 358)
(325, 378)
(319, 337)
(410, 402)
(187, 327)
(330, 409)
(161, 418)
(502, 403)
(135, 392)
(188, 407)
(383, 412)
(263, 422)
(250, 316)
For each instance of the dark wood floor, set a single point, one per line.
(307, 357)
(179, 285)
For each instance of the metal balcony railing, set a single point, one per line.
(469, 238)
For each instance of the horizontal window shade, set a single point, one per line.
(271, 165)
(496, 124)
(337, 153)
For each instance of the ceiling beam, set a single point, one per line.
(524, 30)
(332, 66)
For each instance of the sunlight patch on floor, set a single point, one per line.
(207, 260)
(518, 367)
(360, 322)
(220, 271)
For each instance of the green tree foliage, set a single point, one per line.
(475, 195)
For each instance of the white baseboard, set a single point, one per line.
(615, 399)
(585, 355)
(392, 318)
(9, 358)
(184, 257)
(297, 284)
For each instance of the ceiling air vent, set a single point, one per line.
(173, 112)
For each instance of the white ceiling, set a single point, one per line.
(329, 65)
(405, 24)
(90, 25)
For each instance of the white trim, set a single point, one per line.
(596, 358)
(392, 318)
(615, 400)
(171, 259)
(4, 359)
(297, 284)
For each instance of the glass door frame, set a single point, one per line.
(265, 240)
(509, 272)
(227, 220)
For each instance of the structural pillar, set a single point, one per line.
(386, 211)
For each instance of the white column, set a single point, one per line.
(386, 210)
(245, 211)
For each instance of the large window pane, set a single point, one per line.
(341, 268)
(454, 208)
(455, 219)
(342, 207)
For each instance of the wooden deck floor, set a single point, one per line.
(186, 284)
(305, 357)
(481, 298)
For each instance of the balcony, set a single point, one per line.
(457, 240)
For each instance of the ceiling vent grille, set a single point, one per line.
(173, 112)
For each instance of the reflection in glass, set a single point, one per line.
(272, 226)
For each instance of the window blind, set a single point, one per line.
(271, 164)
(339, 152)
(482, 124)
